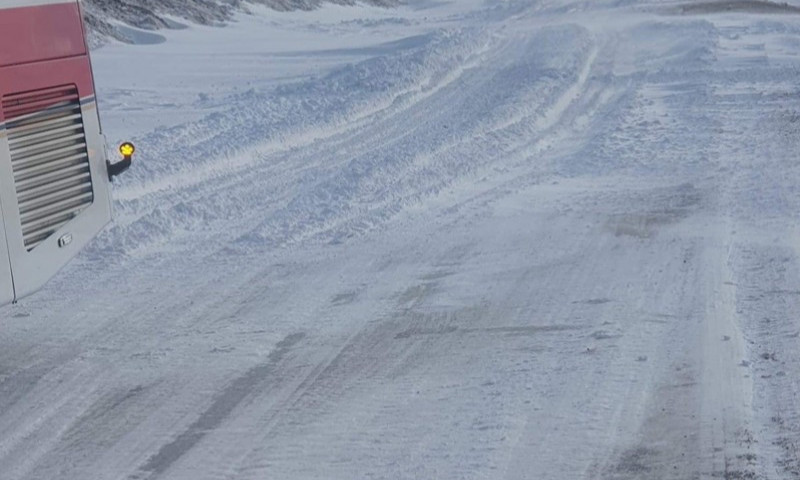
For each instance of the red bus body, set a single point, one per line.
(54, 186)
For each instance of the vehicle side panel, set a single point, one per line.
(48, 51)
(6, 282)
(42, 32)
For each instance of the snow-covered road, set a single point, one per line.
(500, 240)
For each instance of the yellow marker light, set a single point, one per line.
(127, 149)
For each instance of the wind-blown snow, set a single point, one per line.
(506, 240)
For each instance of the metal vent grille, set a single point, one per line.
(49, 158)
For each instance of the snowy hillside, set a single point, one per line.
(472, 239)
(107, 18)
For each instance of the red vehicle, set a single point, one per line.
(54, 173)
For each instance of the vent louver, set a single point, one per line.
(49, 158)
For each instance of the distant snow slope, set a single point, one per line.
(468, 239)
(103, 16)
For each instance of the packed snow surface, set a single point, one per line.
(452, 240)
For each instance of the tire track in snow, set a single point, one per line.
(222, 407)
(711, 417)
